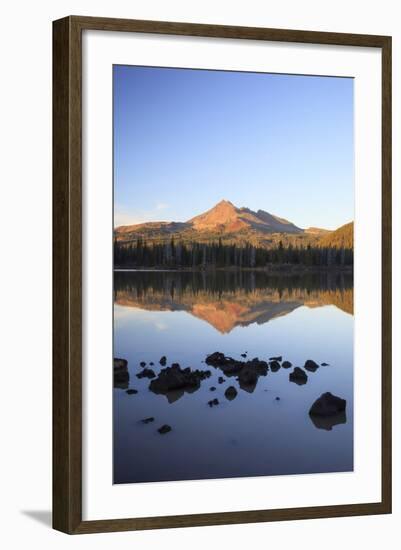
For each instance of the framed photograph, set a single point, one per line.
(222, 274)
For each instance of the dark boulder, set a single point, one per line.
(120, 363)
(230, 393)
(243, 355)
(325, 364)
(274, 366)
(311, 365)
(175, 378)
(328, 405)
(143, 364)
(286, 364)
(216, 359)
(212, 388)
(164, 429)
(277, 399)
(131, 391)
(163, 361)
(120, 373)
(148, 420)
(146, 373)
(221, 380)
(278, 358)
(298, 376)
(248, 376)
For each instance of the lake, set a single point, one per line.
(266, 428)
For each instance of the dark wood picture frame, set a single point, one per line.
(67, 274)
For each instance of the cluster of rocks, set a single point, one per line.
(247, 372)
(327, 411)
(175, 378)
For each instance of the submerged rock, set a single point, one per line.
(230, 393)
(120, 373)
(146, 373)
(143, 364)
(164, 429)
(243, 355)
(311, 365)
(163, 361)
(221, 380)
(277, 399)
(131, 391)
(286, 364)
(325, 364)
(148, 420)
(212, 388)
(298, 376)
(328, 405)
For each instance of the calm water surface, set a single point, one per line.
(186, 316)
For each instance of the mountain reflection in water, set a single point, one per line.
(227, 299)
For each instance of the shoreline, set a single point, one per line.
(279, 269)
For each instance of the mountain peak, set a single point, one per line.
(224, 202)
(222, 214)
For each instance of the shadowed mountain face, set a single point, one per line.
(226, 300)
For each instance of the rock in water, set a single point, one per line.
(120, 373)
(132, 391)
(274, 366)
(311, 365)
(146, 373)
(328, 405)
(286, 365)
(213, 402)
(325, 365)
(230, 393)
(143, 364)
(164, 429)
(298, 376)
(278, 358)
(212, 388)
(221, 380)
(148, 420)
(175, 378)
(163, 361)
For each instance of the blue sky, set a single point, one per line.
(185, 139)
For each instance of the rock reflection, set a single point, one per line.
(327, 423)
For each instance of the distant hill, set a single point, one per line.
(343, 237)
(229, 224)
